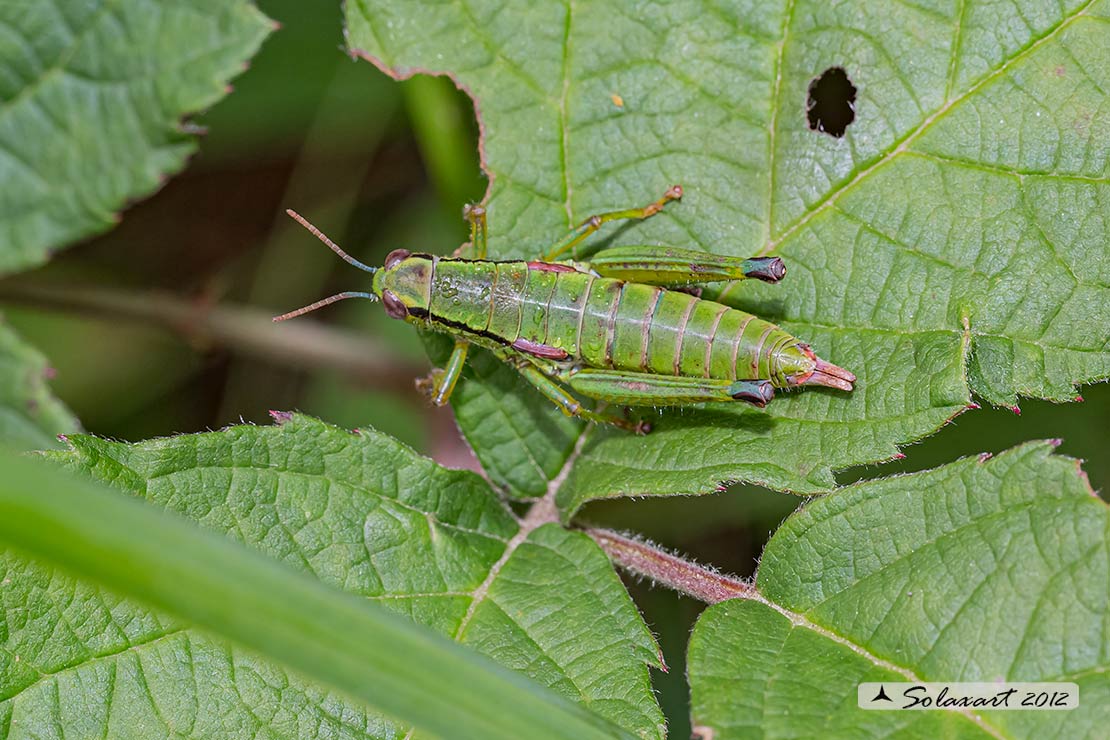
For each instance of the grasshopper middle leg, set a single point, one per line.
(579, 233)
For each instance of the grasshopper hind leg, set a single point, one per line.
(675, 268)
(567, 403)
(645, 389)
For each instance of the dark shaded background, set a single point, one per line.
(161, 326)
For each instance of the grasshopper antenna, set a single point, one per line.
(331, 245)
(325, 302)
(345, 257)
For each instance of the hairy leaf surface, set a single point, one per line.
(360, 512)
(951, 243)
(976, 571)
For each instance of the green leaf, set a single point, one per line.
(30, 416)
(356, 647)
(952, 242)
(521, 444)
(976, 571)
(92, 100)
(359, 512)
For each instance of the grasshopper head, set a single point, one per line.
(404, 284)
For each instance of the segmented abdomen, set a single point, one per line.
(603, 323)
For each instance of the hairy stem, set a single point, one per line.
(684, 576)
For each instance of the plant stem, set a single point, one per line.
(246, 330)
(445, 139)
(684, 576)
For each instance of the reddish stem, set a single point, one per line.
(644, 559)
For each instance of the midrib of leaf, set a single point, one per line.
(542, 512)
(799, 620)
(954, 65)
(564, 126)
(902, 145)
(773, 126)
(1078, 674)
(1000, 169)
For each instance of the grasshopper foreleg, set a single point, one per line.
(672, 267)
(439, 384)
(593, 223)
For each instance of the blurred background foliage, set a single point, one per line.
(162, 325)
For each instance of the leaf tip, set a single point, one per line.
(703, 732)
(1085, 480)
(280, 417)
(1079, 399)
(1016, 410)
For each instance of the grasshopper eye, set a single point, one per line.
(397, 255)
(394, 306)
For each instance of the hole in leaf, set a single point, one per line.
(832, 102)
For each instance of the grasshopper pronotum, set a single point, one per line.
(617, 327)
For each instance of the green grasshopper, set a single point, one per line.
(619, 328)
